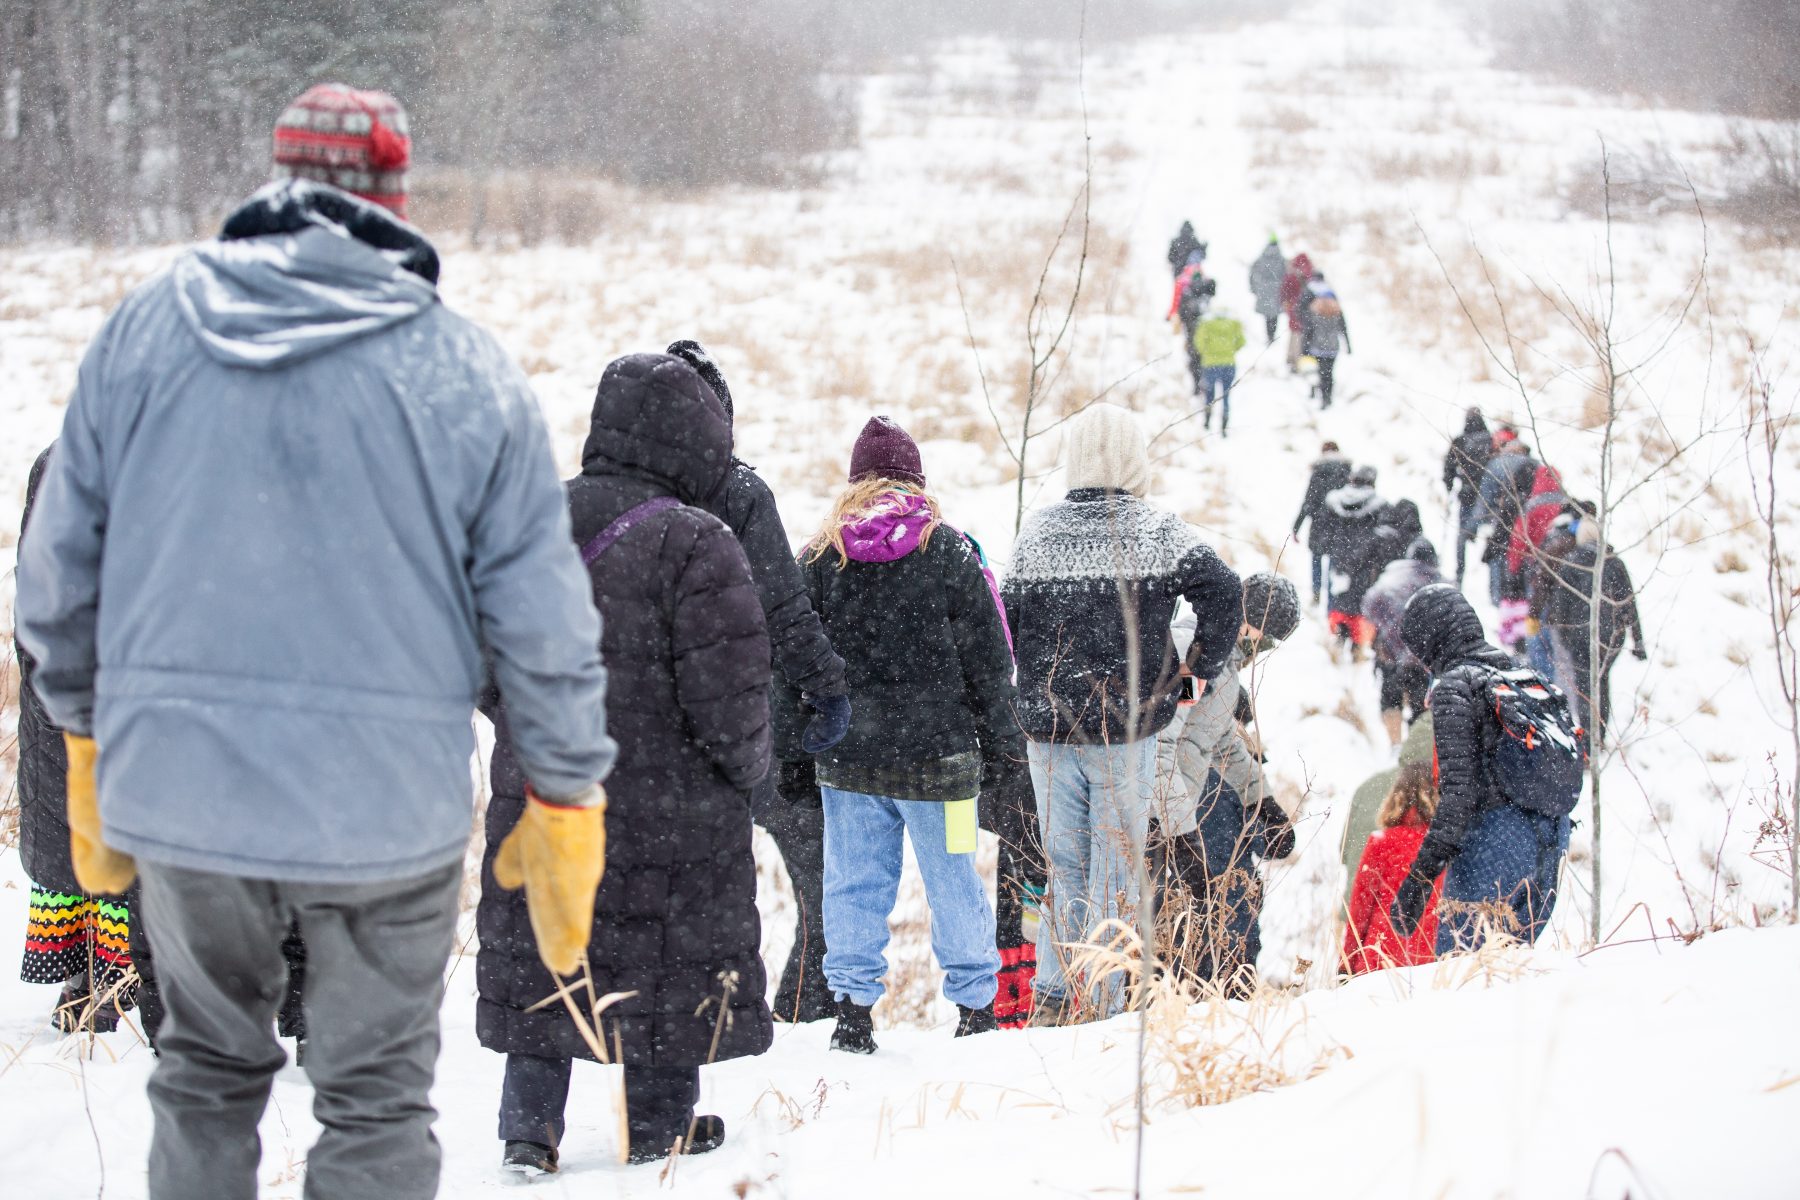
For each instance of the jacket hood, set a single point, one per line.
(655, 419)
(1422, 551)
(890, 531)
(1352, 500)
(1303, 266)
(1546, 481)
(1403, 517)
(300, 269)
(1473, 423)
(1441, 629)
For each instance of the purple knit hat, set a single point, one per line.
(884, 449)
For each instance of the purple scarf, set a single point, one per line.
(890, 532)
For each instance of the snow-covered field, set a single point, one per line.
(1383, 146)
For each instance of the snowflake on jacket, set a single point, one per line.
(1080, 568)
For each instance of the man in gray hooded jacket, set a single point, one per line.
(295, 501)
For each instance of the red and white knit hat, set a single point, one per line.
(351, 139)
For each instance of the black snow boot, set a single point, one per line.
(529, 1159)
(708, 1134)
(855, 1030)
(975, 1020)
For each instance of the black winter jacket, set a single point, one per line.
(1329, 473)
(1467, 459)
(43, 761)
(1354, 513)
(687, 659)
(1571, 607)
(1078, 567)
(931, 692)
(1442, 630)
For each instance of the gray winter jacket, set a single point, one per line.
(1266, 274)
(293, 499)
(1205, 735)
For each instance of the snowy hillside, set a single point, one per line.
(1414, 174)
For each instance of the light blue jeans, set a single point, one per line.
(863, 854)
(1094, 814)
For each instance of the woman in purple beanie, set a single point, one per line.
(906, 604)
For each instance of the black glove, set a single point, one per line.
(830, 722)
(797, 782)
(1007, 805)
(1639, 653)
(1243, 713)
(1409, 905)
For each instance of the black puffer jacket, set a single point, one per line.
(1329, 473)
(43, 762)
(1078, 567)
(1467, 459)
(931, 692)
(687, 660)
(1443, 631)
(1396, 528)
(1354, 511)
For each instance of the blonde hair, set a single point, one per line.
(1413, 792)
(859, 501)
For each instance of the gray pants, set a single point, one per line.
(375, 968)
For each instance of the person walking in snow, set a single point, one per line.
(1330, 471)
(1325, 334)
(1225, 819)
(1217, 339)
(1523, 555)
(1505, 486)
(1184, 247)
(1295, 298)
(1404, 679)
(905, 601)
(804, 658)
(1192, 295)
(1090, 592)
(295, 503)
(1371, 942)
(1354, 511)
(1571, 615)
(1498, 837)
(1464, 464)
(1266, 274)
(687, 655)
(1366, 801)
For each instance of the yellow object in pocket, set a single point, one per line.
(959, 826)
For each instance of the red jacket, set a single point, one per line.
(1181, 282)
(1370, 942)
(1534, 520)
(1293, 284)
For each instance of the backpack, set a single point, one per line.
(1540, 753)
(1194, 299)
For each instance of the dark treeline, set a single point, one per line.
(1729, 56)
(142, 119)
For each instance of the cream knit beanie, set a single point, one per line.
(1104, 448)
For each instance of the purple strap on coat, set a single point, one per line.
(603, 541)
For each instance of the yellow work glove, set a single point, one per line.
(99, 870)
(558, 855)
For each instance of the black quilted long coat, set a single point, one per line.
(687, 660)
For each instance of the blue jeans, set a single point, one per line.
(1218, 379)
(1540, 654)
(1321, 579)
(1094, 814)
(863, 853)
(1510, 857)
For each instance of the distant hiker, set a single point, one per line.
(1366, 801)
(904, 600)
(1404, 679)
(1183, 247)
(1571, 614)
(1548, 574)
(805, 660)
(1266, 275)
(1464, 464)
(1187, 307)
(1229, 819)
(1354, 511)
(1217, 339)
(1294, 301)
(1330, 471)
(1370, 941)
(1508, 776)
(1325, 334)
(687, 660)
(1089, 572)
(1523, 550)
(1505, 486)
(290, 470)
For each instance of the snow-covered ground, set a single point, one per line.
(1378, 139)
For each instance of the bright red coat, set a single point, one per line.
(1293, 284)
(1370, 941)
(1533, 524)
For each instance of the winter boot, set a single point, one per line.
(708, 1134)
(855, 1030)
(975, 1020)
(528, 1160)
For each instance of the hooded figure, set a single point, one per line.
(675, 921)
(1500, 862)
(1080, 568)
(295, 504)
(1330, 471)
(1183, 246)
(1265, 281)
(906, 602)
(1570, 615)
(804, 660)
(1464, 465)
(1404, 679)
(1355, 512)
